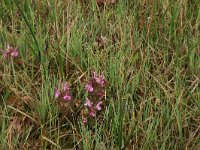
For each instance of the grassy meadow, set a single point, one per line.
(147, 50)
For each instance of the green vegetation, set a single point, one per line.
(148, 50)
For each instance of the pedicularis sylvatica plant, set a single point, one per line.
(10, 52)
(64, 93)
(95, 93)
(95, 89)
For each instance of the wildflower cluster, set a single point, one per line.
(10, 52)
(63, 93)
(95, 89)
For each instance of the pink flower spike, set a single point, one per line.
(98, 106)
(88, 103)
(89, 88)
(67, 97)
(57, 93)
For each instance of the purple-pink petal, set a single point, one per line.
(65, 86)
(88, 103)
(89, 88)
(98, 106)
(92, 113)
(15, 53)
(10, 52)
(99, 80)
(67, 97)
(95, 74)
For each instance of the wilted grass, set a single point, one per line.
(149, 52)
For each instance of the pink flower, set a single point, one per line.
(98, 106)
(10, 52)
(92, 113)
(65, 86)
(65, 93)
(67, 97)
(89, 88)
(96, 90)
(100, 80)
(14, 53)
(88, 103)
(57, 93)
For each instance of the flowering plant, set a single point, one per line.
(63, 93)
(95, 89)
(10, 52)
